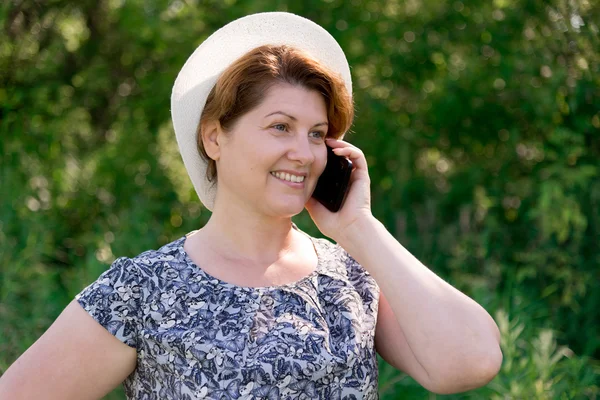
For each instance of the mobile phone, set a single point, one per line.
(332, 185)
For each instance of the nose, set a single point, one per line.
(302, 151)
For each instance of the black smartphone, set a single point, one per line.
(332, 185)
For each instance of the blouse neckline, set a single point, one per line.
(223, 283)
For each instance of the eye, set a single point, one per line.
(318, 134)
(280, 127)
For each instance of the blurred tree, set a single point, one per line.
(480, 120)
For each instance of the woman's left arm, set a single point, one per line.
(425, 327)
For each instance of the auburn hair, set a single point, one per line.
(244, 84)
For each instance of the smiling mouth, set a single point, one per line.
(288, 177)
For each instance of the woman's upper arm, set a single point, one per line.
(76, 358)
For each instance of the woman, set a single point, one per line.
(249, 306)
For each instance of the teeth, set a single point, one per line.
(288, 177)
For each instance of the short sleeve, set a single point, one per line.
(113, 300)
(364, 283)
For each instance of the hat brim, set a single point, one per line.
(203, 68)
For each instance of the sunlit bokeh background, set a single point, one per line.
(480, 120)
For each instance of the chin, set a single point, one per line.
(287, 209)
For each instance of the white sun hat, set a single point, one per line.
(203, 68)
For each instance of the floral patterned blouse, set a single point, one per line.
(198, 337)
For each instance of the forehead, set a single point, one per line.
(294, 100)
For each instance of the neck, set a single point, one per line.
(238, 233)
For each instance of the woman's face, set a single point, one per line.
(270, 161)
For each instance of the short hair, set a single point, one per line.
(244, 84)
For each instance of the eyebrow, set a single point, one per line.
(293, 118)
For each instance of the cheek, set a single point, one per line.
(320, 161)
(233, 167)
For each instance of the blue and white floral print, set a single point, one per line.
(198, 337)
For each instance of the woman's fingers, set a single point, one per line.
(335, 143)
(353, 153)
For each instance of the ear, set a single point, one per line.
(211, 132)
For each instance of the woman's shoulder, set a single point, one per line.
(337, 263)
(166, 252)
(151, 262)
(332, 254)
(329, 249)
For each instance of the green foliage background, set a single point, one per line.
(480, 121)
